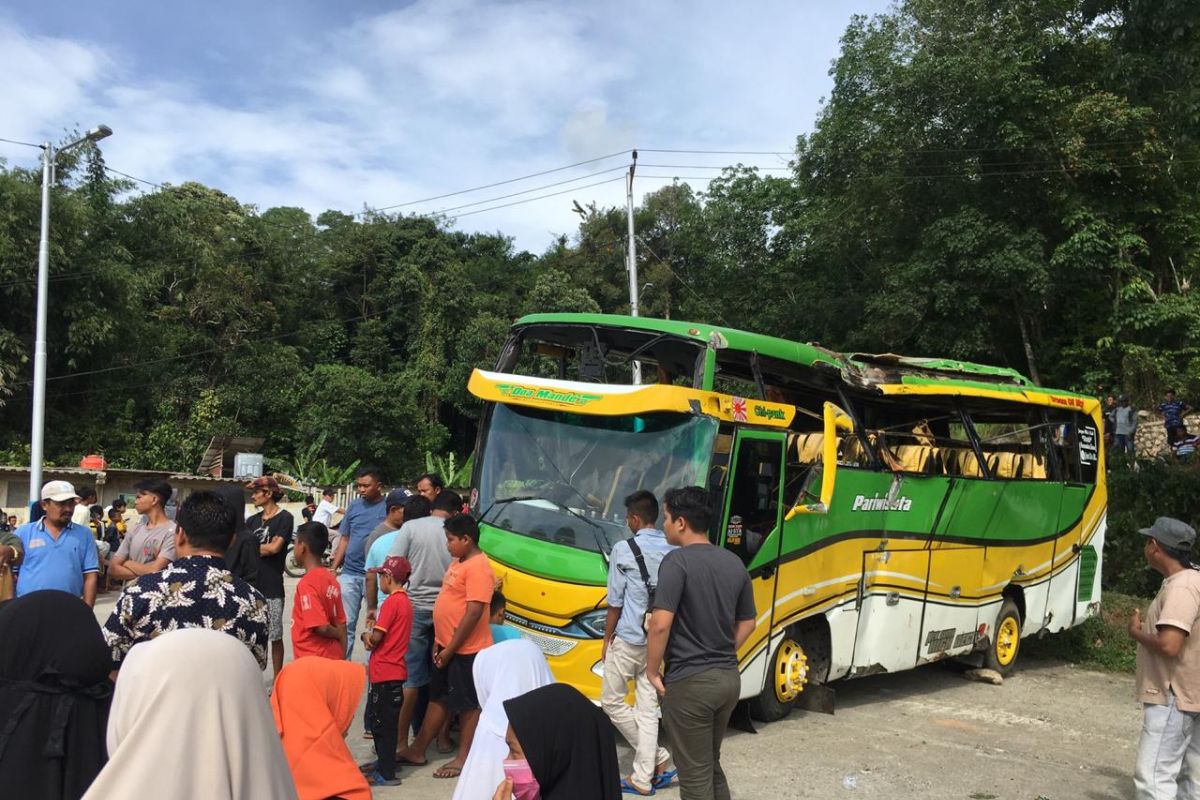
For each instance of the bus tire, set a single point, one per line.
(786, 677)
(1005, 646)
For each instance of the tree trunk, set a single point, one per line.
(1033, 371)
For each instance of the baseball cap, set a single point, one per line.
(397, 567)
(264, 482)
(59, 491)
(1171, 532)
(397, 497)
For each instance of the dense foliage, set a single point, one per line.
(1012, 182)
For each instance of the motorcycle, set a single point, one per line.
(296, 570)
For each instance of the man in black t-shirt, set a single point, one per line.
(703, 612)
(273, 528)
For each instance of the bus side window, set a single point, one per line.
(754, 497)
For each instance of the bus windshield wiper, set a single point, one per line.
(601, 541)
(500, 501)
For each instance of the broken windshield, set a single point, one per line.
(563, 477)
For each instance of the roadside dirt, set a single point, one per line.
(1051, 731)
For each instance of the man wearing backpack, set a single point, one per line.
(632, 576)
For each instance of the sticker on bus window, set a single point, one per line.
(733, 533)
(1087, 445)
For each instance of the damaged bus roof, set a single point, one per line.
(861, 369)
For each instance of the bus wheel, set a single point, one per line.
(1002, 653)
(789, 673)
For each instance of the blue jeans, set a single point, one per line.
(353, 587)
(419, 658)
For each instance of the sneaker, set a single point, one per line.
(375, 779)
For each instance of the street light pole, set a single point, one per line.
(633, 279)
(38, 425)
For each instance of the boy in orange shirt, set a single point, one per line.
(318, 619)
(460, 630)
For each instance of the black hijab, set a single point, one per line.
(54, 696)
(242, 555)
(569, 743)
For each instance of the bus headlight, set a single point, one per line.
(593, 622)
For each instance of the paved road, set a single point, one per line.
(1050, 731)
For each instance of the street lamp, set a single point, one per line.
(37, 435)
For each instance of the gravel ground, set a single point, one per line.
(1051, 731)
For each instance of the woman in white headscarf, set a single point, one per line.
(190, 720)
(502, 672)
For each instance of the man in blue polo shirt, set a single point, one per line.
(363, 516)
(58, 553)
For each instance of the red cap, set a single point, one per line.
(397, 567)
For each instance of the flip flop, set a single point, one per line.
(375, 779)
(447, 771)
(368, 768)
(662, 780)
(408, 762)
(629, 788)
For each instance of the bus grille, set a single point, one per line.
(548, 645)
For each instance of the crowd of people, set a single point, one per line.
(84, 706)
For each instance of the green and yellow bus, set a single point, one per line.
(891, 511)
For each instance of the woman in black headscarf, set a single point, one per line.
(242, 555)
(570, 745)
(54, 697)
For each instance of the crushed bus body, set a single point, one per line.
(890, 511)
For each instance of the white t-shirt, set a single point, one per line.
(82, 515)
(324, 513)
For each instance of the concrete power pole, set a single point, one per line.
(631, 266)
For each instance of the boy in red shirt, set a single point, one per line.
(460, 630)
(387, 669)
(318, 619)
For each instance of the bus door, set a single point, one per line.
(956, 588)
(891, 589)
(751, 528)
(1076, 556)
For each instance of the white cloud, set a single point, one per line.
(443, 95)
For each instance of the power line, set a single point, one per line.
(721, 152)
(709, 166)
(18, 141)
(543, 197)
(528, 191)
(704, 301)
(502, 183)
(210, 351)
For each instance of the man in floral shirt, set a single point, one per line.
(194, 591)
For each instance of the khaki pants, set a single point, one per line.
(623, 663)
(696, 711)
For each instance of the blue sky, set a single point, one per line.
(310, 104)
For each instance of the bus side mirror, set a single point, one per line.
(835, 419)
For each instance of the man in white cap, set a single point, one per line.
(1168, 666)
(58, 553)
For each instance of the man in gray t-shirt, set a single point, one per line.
(423, 542)
(703, 612)
(149, 546)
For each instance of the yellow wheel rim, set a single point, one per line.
(1008, 638)
(791, 671)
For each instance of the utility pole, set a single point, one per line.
(38, 426)
(632, 264)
